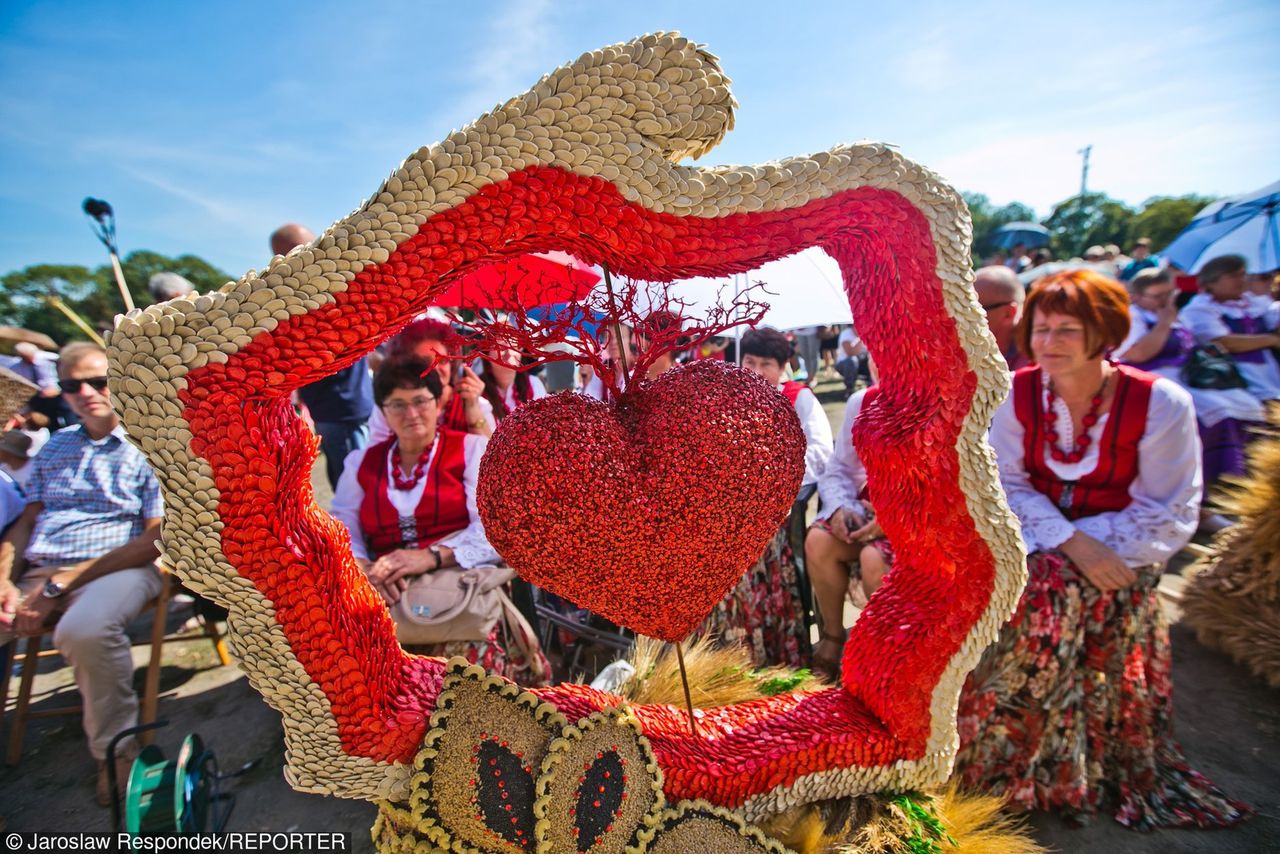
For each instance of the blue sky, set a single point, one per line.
(208, 124)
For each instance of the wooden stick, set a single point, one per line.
(79, 321)
(617, 323)
(120, 282)
(688, 698)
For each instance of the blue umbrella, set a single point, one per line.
(560, 311)
(1028, 234)
(1244, 225)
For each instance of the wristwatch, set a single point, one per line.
(53, 590)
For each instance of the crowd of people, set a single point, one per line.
(1127, 405)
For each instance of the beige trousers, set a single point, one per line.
(91, 634)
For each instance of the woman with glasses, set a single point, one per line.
(409, 503)
(462, 405)
(1160, 343)
(1070, 709)
(1244, 324)
(764, 611)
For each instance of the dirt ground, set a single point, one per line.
(1227, 722)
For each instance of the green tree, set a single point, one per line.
(91, 293)
(1163, 217)
(1088, 220)
(987, 218)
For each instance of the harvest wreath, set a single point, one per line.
(588, 162)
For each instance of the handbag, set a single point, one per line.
(451, 604)
(1211, 367)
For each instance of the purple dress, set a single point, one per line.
(1223, 416)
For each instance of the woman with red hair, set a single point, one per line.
(1071, 708)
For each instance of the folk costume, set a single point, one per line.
(437, 509)
(1209, 320)
(764, 611)
(513, 399)
(1222, 415)
(844, 483)
(1071, 708)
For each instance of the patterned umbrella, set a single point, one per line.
(1245, 225)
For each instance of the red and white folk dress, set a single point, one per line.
(764, 612)
(439, 509)
(1071, 708)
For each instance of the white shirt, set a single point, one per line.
(536, 390)
(380, 431)
(12, 503)
(1204, 317)
(850, 337)
(1212, 404)
(845, 476)
(1165, 506)
(817, 435)
(470, 546)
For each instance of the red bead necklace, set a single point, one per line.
(403, 482)
(1083, 441)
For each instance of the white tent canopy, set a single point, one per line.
(805, 289)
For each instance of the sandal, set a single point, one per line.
(826, 666)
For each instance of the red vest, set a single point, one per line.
(791, 390)
(455, 414)
(441, 511)
(1106, 488)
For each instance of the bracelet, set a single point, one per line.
(439, 558)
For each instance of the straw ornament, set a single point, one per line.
(588, 161)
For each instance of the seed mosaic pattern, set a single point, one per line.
(587, 161)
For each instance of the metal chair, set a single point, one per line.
(558, 618)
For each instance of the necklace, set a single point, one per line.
(1083, 441)
(403, 482)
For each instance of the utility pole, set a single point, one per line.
(1084, 170)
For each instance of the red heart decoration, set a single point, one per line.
(648, 509)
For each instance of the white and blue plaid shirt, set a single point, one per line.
(96, 495)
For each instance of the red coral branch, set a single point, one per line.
(664, 323)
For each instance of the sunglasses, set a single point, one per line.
(98, 384)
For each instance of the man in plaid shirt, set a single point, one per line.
(82, 554)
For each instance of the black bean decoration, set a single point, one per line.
(600, 793)
(504, 793)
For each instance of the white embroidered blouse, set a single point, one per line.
(470, 546)
(1165, 506)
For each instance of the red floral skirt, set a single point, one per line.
(764, 612)
(1071, 708)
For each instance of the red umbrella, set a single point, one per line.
(527, 280)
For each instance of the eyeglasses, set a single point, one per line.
(98, 384)
(992, 306)
(398, 408)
